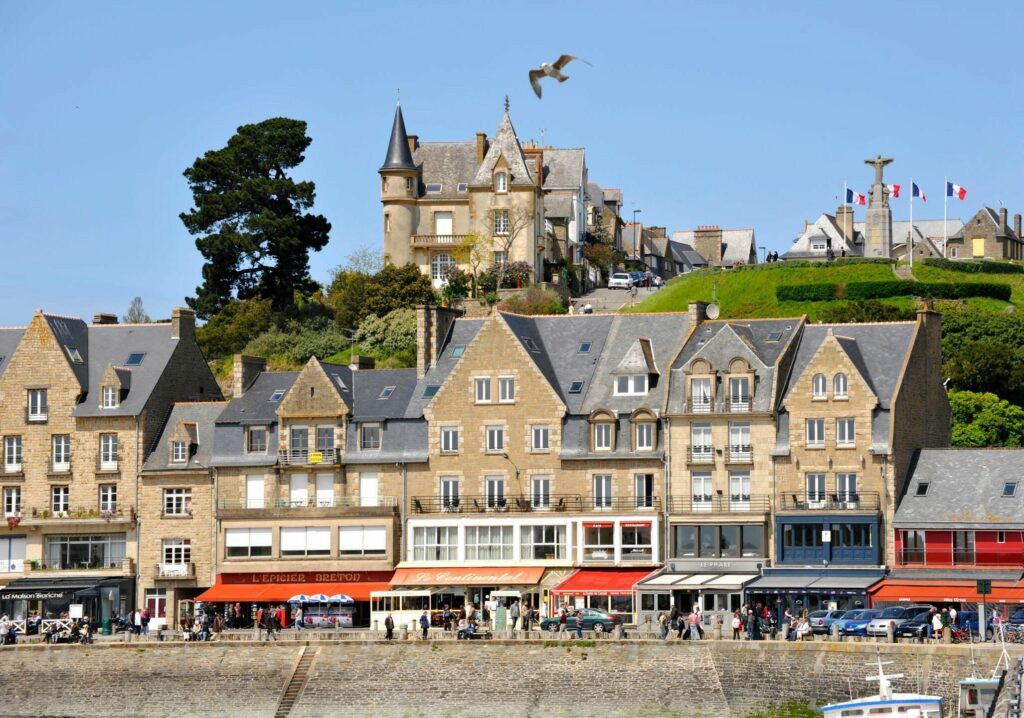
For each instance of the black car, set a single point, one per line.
(916, 627)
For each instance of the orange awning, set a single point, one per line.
(601, 581)
(464, 576)
(892, 590)
(280, 592)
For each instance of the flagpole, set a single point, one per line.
(945, 199)
(912, 223)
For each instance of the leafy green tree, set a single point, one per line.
(251, 218)
(961, 326)
(397, 287)
(346, 296)
(233, 327)
(534, 301)
(456, 285)
(984, 366)
(983, 419)
(393, 333)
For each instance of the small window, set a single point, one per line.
(506, 389)
(482, 389)
(73, 354)
(408, 184)
(179, 451)
(1000, 537)
(463, 187)
(541, 434)
(922, 488)
(433, 188)
(386, 392)
(775, 337)
(449, 439)
(585, 347)
(531, 345)
(500, 182)
(109, 397)
(135, 358)
(495, 438)
(277, 395)
(370, 436)
(257, 438)
(458, 351)
(819, 387)
(576, 387)
(430, 390)
(1010, 488)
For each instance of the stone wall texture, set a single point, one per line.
(446, 678)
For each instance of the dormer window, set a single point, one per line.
(386, 392)
(700, 395)
(256, 440)
(109, 397)
(819, 387)
(840, 386)
(631, 385)
(739, 393)
(369, 436)
(644, 439)
(500, 182)
(73, 354)
(603, 436)
(179, 452)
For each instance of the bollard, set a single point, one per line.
(403, 633)
(785, 631)
(617, 633)
(376, 628)
(890, 632)
(834, 631)
(947, 634)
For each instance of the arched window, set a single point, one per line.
(840, 386)
(439, 267)
(500, 182)
(819, 387)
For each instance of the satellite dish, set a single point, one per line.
(712, 311)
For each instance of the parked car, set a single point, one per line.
(915, 627)
(1017, 616)
(821, 621)
(970, 619)
(859, 625)
(637, 277)
(894, 614)
(847, 617)
(593, 620)
(620, 280)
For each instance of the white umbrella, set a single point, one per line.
(317, 598)
(301, 598)
(341, 598)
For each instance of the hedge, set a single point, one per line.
(975, 266)
(805, 292)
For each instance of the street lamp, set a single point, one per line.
(636, 238)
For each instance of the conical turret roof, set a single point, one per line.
(399, 157)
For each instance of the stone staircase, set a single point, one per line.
(903, 271)
(297, 683)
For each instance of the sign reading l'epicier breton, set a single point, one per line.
(307, 577)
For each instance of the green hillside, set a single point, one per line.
(749, 292)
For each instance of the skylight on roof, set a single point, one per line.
(775, 336)
(433, 188)
(576, 387)
(73, 354)
(922, 488)
(135, 358)
(277, 395)
(463, 186)
(386, 392)
(458, 351)
(585, 347)
(531, 345)
(1010, 488)
(431, 390)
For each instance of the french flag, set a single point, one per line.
(855, 198)
(894, 190)
(955, 190)
(915, 191)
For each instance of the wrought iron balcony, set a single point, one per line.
(831, 501)
(307, 457)
(310, 507)
(738, 404)
(700, 455)
(623, 503)
(739, 454)
(494, 504)
(178, 571)
(437, 240)
(700, 406)
(961, 557)
(720, 504)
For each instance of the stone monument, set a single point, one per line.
(878, 226)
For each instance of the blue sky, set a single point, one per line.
(730, 113)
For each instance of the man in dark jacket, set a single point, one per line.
(389, 627)
(424, 625)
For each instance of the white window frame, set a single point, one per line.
(482, 390)
(739, 491)
(38, 408)
(179, 452)
(13, 455)
(501, 223)
(819, 387)
(177, 502)
(108, 452)
(644, 436)
(110, 399)
(495, 439)
(701, 395)
(12, 500)
(630, 385)
(450, 490)
(818, 246)
(249, 539)
(449, 439)
(366, 442)
(295, 433)
(540, 491)
(325, 438)
(435, 543)
(643, 498)
(602, 487)
(702, 496)
(814, 431)
(540, 437)
(840, 386)
(60, 498)
(846, 431)
(249, 443)
(494, 492)
(739, 393)
(501, 182)
(362, 541)
(739, 440)
(494, 542)
(108, 497)
(846, 487)
(814, 486)
(299, 540)
(702, 451)
(61, 452)
(176, 551)
(603, 433)
(506, 389)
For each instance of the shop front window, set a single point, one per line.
(542, 543)
(488, 543)
(684, 541)
(598, 541)
(636, 542)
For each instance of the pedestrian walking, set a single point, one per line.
(389, 627)
(952, 615)
(298, 617)
(694, 620)
(579, 623)
(260, 623)
(937, 626)
(272, 625)
(527, 615)
(145, 621)
(424, 625)
(663, 625)
(446, 618)
(563, 618)
(737, 624)
(514, 613)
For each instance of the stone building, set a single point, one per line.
(987, 235)
(720, 247)
(82, 404)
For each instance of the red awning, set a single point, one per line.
(280, 592)
(601, 581)
(891, 590)
(466, 576)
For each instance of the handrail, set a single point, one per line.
(831, 501)
(349, 502)
(721, 503)
(491, 504)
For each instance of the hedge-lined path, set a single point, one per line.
(904, 271)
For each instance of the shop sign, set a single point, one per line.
(32, 595)
(598, 524)
(468, 576)
(636, 524)
(307, 577)
(714, 565)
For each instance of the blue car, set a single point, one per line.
(970, 619)
(1017, 617)
(859, 626)
(846, 618)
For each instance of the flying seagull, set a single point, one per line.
(552, 70)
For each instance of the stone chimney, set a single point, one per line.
(844, 220)
(245, 371)
(481, 147)
(183, 324)
(358, 361)
(1004, 227)
(413, 143)
(698, 312)
(707, 241)
(1016, 225)
(104, 318)
(432, 326)
(538, 172)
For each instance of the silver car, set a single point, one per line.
(620, 280)
(897, 615)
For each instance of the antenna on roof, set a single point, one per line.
(398, 95)
(506, 104)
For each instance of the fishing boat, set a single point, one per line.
(886, 703)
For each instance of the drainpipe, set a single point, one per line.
(405, 497)
(667, 461)
(215, 524)
(883, 538)
(138, 520)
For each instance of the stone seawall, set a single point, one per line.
(444, 678)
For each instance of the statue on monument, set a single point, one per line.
(879, 162)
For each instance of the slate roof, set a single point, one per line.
(558, 206)
(685, 254)
(505, 144)
(965, 489)
(825, 227)
(462, 333)
(595, 194)
(564, 168)
(448, 164)
(73, 332)
(10, 338)
(255, 407)
(204, 416)
(341, 381)
(402, 441)
(576, 441)
(398, 156)
(736, 244)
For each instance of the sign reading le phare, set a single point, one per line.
(307, 577)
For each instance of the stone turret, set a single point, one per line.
(398, 191)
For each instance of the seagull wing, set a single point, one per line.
(565, 60)
(535, 76)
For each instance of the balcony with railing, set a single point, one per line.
(739, 454)
(959, 558)
(700, 454)
(307, 457)
(863, 501)
(737, 404)
(176, 571)
(469, 504)
(720, 504)
(307, 508)
(120, 567)
(623, 504)
(699, 406)
(437, 240)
